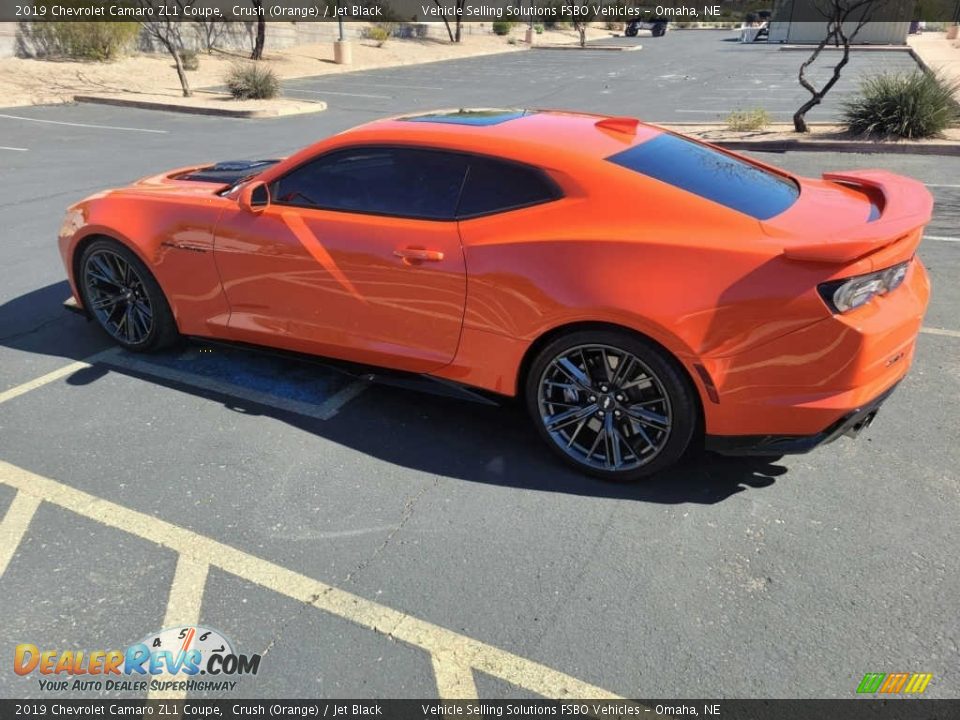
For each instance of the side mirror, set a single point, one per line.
(254, 197)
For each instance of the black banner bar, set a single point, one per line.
(854, 709)
(452, 10)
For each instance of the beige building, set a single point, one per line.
(796, 22)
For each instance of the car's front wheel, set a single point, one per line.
(611, 403)
(124, 298)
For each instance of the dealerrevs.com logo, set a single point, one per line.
(172, 659)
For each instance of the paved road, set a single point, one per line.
(442, 520)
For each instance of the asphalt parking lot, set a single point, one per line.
(694, 76)
(370, 541)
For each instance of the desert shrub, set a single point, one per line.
(914, 105)
(252, 81)
(538, 29)
(752, 119)
(84, 40)
(379, 35)
(189, 59)
(502, 27)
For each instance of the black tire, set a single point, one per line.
(655, 406)
(659, 30)
(630, 31)
(128, 305)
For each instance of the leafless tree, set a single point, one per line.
(582, 22)
(209, 32)
(455, 31)
(845, 19)
(164, 28)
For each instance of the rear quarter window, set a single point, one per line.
(494, 186)
(713, 175)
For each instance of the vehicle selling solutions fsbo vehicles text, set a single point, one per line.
(598, 11)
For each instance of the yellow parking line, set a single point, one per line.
(183, 609)
(450, 647)
(48, 378)
(14, 525)
(454, 681)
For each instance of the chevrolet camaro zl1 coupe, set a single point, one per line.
(641, 292)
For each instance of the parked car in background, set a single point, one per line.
(656, 26)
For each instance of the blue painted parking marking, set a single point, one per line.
(306, 388)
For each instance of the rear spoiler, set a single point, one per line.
(907, 207)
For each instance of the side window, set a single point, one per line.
(404, 182)
(495, 186)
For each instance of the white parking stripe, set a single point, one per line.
(940, 331)
(938, 185)
(941, 238)
(82, 125)
(4, 147)
(331, 92)
(363, 83)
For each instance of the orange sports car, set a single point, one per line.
(640, 291)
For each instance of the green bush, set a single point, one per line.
(84, 40)
(914, 105)
(379, 35)
(753, 119)
(502, 27)
(189, 59)
(252, 81)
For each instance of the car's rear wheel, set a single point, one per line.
(611, 403)
(124, 298)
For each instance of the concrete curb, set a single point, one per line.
(949, 147)
(604, 48)
(842, 146)
(196, 110)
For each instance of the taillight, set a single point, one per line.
(850, 293)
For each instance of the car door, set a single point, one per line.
(356, 256)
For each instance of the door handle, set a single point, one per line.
(418, 255)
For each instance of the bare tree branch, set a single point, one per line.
(164, 28)
(837, 13)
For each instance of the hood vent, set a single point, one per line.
(229, 172)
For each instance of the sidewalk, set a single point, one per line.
(938, 54)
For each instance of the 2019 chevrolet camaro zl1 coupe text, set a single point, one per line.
(642, 292)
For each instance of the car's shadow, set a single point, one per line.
(437, 435)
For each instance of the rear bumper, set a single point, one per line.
(813, 379)
(850, 425)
